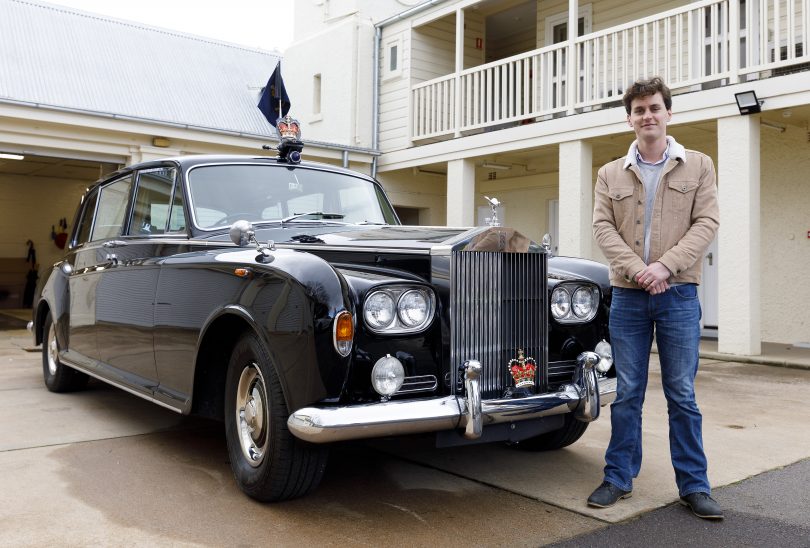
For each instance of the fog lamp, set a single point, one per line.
(387, 376)
(605, 353)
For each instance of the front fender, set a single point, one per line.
(291, 303)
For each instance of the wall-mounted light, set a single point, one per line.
(493, 165)
(747, 102)
(161, 142)
(9, 156)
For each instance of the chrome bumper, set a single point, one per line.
(583, 397)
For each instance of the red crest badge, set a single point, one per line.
(523, 370)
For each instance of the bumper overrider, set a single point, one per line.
(583, 397)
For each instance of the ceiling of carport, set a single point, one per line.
(56, 168)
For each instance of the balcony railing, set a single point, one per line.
(707, 41)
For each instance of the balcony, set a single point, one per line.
(697, 46)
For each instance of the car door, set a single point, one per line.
(81, 347)
(126, 294)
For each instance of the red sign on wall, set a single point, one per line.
(479, 43)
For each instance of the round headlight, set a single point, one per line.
(387, 375)
(583, 302)
(605, 353)
(379, 310)
(560, 303)
(413, 308)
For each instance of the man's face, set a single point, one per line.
(648, 117)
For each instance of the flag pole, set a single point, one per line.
(280, 110)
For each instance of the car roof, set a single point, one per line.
(189, 161)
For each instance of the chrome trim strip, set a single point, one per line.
(308, 247)
(332, 424)
(419, 383)
(120, 386)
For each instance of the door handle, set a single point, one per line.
(710, 257)
(114, 243)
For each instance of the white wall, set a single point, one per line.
(785, 247)
(427, 192)
(342, 56)
(30, 206)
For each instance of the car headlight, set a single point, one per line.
(605, 353)
(387, 376)
(413, 308)
(395, 309)
(379, 310)
(583, 302)
(560, 303)
(574, 303)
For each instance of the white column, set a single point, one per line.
(739, 235)
(576, 199)
(572, 71)
(459, 68)
(461, 193)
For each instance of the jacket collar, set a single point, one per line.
(674, 151)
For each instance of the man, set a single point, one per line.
(655, 214)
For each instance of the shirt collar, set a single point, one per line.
(674, 150)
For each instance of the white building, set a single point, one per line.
(496, 97)
(445, 101)
(82, 94)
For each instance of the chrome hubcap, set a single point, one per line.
(53, 350)
(252, 418)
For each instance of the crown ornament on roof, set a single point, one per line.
(289, 137)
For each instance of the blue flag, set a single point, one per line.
(275, 102)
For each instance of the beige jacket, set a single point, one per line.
(685, 217)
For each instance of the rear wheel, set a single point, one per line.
(58, 377)
(269, 463)
(571, 431)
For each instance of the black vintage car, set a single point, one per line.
(287, 300)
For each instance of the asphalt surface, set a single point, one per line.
(768, 510)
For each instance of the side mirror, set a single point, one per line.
(242, 233)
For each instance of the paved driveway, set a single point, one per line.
(103, 467)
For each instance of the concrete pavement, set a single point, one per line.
(103, 467)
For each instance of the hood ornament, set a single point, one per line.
(494, 204)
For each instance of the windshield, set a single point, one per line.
(223, 194)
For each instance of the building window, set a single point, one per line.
(392, 58)
(317, 84)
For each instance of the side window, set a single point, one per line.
(112, 209)
(152, 200)
(86, 221)
(177, 220)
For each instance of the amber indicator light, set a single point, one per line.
(344, 327)
(242, 272)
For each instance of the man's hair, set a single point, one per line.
(645, 88)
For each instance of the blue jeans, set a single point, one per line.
(674, 317)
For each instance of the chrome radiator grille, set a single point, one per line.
(498, 304)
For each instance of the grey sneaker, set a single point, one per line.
(702, 505)
(606, 495)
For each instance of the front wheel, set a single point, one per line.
(269, 463)
(571, 431)
(58, 376)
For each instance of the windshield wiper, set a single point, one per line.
(323, 216)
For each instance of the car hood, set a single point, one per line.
(390, 238)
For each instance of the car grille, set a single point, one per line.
(498, 304)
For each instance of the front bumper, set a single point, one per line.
(583, 397)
